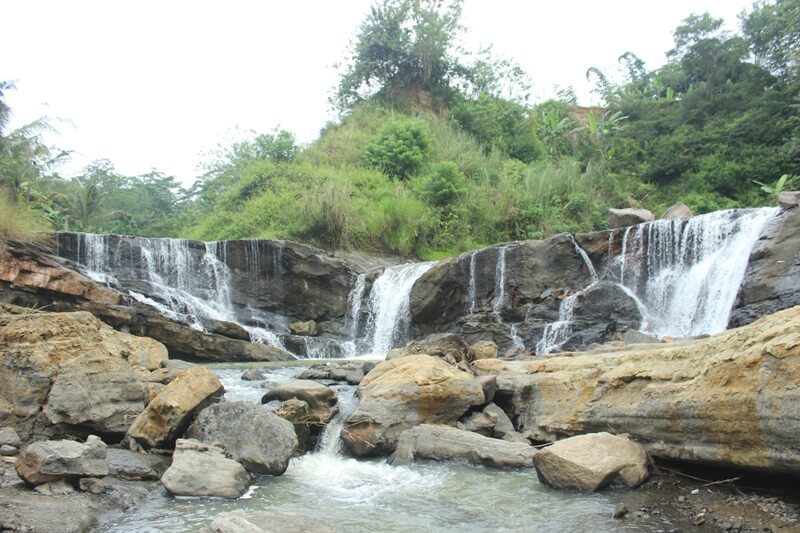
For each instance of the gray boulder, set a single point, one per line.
(203, 470)
(620, 218)
(447, 346)
(9, 436)
(591, 462)
(789, 199)
(6, 450)
(601, 313)
(321, 400)
(253, 374)
(262, 441)
(53, 460)
(135, 466)
(266, 522)
(351, 371)
(442, 443)
(677, 211)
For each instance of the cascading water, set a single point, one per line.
(687, 273)
(472, 282)
(556, 333)
(182, 287)
(500, 284)
(389, 308)
(353, 314)
(330, 443)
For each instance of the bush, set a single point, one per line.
(445, 186)
(401, 149)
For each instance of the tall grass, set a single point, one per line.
(20, 223)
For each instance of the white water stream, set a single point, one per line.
(389, 309)
(687, 273)
(364, 496)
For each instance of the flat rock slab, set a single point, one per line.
(266, 522)
(442, 443)
(591, 462)
(130, 465)
(203, 470)
(52, 460)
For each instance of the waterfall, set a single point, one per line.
(389, 308)
(191, 286)
(330, 443)
(687, 273)
(472, 282)
(556, 333)
(353, 314)
(500, 284)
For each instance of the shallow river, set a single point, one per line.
(364, 496)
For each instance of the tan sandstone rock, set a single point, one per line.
(731, 399)
(592, 462)
(402, 393)
(169, 414)
(43, 384)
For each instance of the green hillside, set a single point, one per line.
(438, 151)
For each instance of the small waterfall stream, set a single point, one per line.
(389, 310)
(556, 333)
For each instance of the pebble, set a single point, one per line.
(620, 511)
(6, 450)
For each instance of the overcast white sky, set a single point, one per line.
(157, 84)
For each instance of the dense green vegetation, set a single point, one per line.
(438, 150)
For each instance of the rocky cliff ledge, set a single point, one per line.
(730, 400)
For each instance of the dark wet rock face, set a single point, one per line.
(772, 280)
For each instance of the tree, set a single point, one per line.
(24, 157)
(773, 30)
(403, 47)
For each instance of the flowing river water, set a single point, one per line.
(370, 495)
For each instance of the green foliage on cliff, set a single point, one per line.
(437, 150)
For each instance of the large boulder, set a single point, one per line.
(601, 312)
(620, 218)
(772, 279)
(677, 212)
(53, 460)
(730, 399)
(447, 346)
(592, 462)
(307, 328)
(169, 414)
(260, 440)
(789, 199)
(443, 443)
(402, 393)
(203, 470)
(97, 392)
(351, 371)
(65, 374)
(492, 421)
(321, 400)
(266, 522)
(126, 464)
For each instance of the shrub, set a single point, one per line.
(445, 185)
(401, 149)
